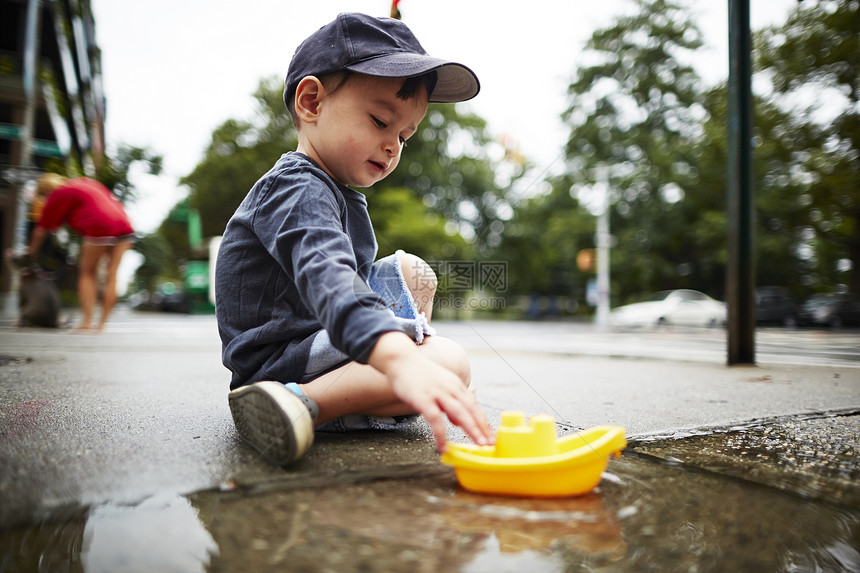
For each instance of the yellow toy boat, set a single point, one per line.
(528, 460)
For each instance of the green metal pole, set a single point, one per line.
(741, 264)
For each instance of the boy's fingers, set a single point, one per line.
(461, 407)
(479, 427)
(436, 419)
(468, 415)
(459, 415)
(482, 422)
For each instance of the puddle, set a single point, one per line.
(6, 360)
(162, 533)
(689, 520)
(685, 512)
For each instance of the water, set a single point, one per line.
(162, 533)
(689, 520)
(735, 500)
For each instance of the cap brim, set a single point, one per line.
(455, 81)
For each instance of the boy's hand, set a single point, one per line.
(432, 390)
(435, 393)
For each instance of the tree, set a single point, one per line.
(240, 152)
(113, 173)
(157, 261)
(458, 170)
(636, 109)
(779, 211)
(541, 244)
(813, 62)
(445, 166)
(403, 222)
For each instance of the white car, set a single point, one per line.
(683, 307)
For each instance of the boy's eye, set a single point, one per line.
(382, 125)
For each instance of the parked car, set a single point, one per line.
(671, 307)
(773, 305)
(831, 309)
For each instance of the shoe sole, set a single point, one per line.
(273, 421)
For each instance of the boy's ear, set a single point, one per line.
(309, 94)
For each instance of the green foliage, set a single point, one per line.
(445, 165)
(158, 261)
(818, 44)
(240, 153)
(113, 173)
(639, 111)
(402, 221)
(460, 172)
(814, 62)
(541, 243)
(636, 109)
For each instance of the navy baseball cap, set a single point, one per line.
(382, 47)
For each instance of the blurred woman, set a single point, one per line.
(91, 210)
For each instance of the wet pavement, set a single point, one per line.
(814, 457)
(118, 454)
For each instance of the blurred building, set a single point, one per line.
(52, 105)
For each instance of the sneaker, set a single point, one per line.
(273, 420)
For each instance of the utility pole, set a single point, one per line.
(603, 240)
(741, 265)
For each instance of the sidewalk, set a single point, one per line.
(138, 418)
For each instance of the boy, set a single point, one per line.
(313, 330)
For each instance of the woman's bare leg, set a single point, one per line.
(109, 296)
(88, 282)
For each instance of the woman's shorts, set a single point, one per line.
(110, 241)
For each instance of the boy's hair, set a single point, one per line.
(409, 89)
(381, 47)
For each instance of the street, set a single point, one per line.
(773, 345)
(129, 431)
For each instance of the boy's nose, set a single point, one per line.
(392, 146)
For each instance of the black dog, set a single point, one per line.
(39, 297)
